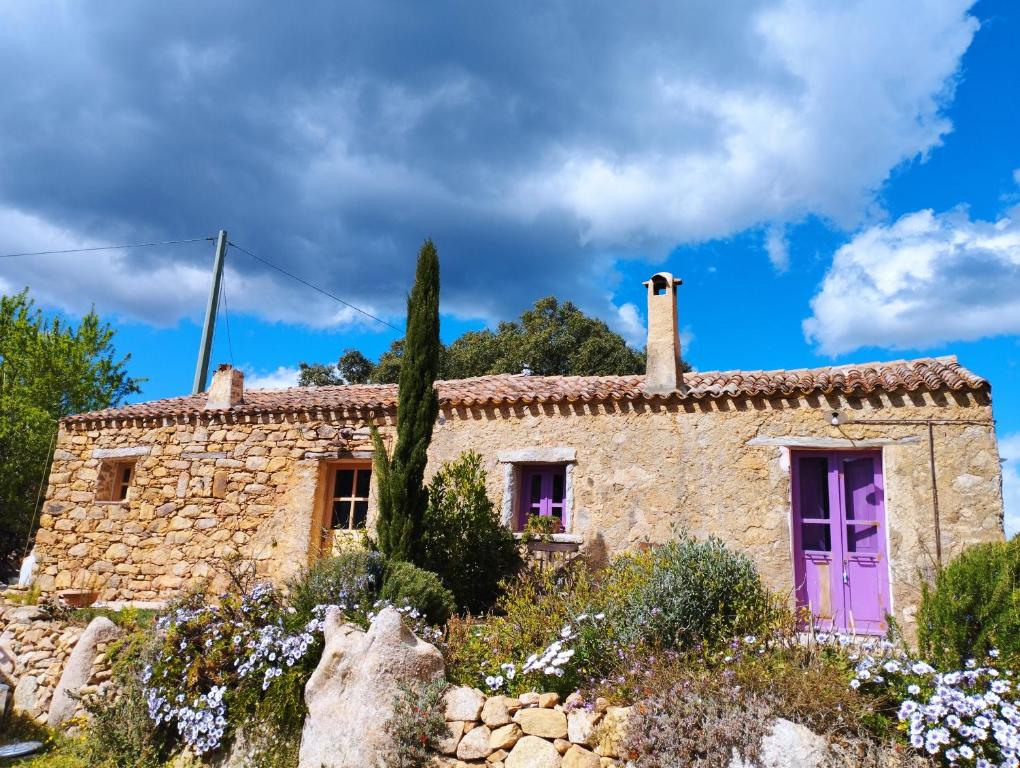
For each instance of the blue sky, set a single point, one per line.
(834, 183)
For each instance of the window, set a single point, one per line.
(543, 492)
(114, 480)
(349, 496)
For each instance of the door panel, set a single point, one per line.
(865, 562)
(817, 562)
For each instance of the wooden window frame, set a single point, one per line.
(113, 487)
(332, 498)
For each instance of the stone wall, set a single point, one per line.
(34, 650)
(530, 731)
(210, 488)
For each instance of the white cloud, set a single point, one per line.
(1009, 449)
(838, 96)
(924, 280)
(630, 325)
(281, 378)
(777, 248)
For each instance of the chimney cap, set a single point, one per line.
(663, 279)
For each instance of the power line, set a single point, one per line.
(105, 248)
(226, 316)
(315, 287)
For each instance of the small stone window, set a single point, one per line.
(348, 496)
(543, 493)
(115, 480)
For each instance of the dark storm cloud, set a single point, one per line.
(535, 142)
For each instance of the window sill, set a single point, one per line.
(563, 538)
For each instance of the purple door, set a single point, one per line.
(840, 563)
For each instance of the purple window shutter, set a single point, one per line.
(542, 492)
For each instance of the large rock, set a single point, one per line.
(25, 696)
(533, 752)
(613, 731)
(505, 736)
(495, 712)
(581, 726)
(463, 703)
(351, 693)
(788, 745)
(577, 757)
(78, 669)
(475, 744)
(547, 723)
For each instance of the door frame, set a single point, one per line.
(838, 534)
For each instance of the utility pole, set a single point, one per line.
(202, 367)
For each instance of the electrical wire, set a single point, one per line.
(313, 286)
(105, 248)
(226, 315)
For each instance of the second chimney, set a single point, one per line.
(226, 389)
(663, 373)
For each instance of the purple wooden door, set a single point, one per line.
(840, 565)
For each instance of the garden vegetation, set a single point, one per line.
(685, 632)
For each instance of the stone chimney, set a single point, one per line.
(662, 367)
(226, 390)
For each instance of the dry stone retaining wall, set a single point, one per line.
(34, 650)
(533, 730)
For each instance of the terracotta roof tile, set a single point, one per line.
(505, 389)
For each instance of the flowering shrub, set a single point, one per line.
(225, 655)
(418, 725)
(244, 659)
(968, 717)
(578, 628)
(697, 725)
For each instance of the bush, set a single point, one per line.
(465, 541)
(693, 592)
(973, 607)
(417, 726)
(406, 584)
(239, 662)
(349, 579)
(120, 733)
(579, 628)
(697, 724)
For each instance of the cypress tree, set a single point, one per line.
(402, 496)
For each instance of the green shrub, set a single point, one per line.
(692, 592)
(973, 606)
(417, 726)
(406, 584)
(579, 628)
(349, 579)
(465, 541)
(120, 734)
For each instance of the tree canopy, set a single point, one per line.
(551, 338)
(48, 369)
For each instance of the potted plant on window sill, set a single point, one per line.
(538, 535)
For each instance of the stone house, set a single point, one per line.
(845, 484)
